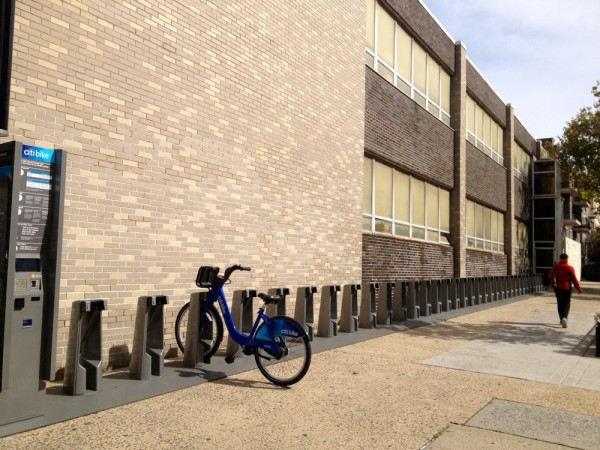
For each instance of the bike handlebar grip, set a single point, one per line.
(232, 269)
(245, 268)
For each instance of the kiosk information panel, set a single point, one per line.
(31, 188)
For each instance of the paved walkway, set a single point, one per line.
(503, 375)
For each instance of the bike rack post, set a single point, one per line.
(469, 284)
(279, 308)
(399, 301)
(494, 287)
(425, 306)
(477, 298)
(242, 312)
(385, 302)
(445, 294)
(148, 352)
(453, 293)
(349, 318)
(502, 288)
(510, 290)
(539, 283)
(328, 320)
(193, 356)
(83, 369)
(368, 307)
(464, 292)
(412, 308)
(435, 296)
(484, 289)
(304, 312)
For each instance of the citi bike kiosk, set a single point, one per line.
(31, 212)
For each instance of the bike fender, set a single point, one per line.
(285, 326)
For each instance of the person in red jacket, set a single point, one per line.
(561, 276)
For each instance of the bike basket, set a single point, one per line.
(206, 276)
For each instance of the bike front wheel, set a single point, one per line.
(294, 363)
(210, 337)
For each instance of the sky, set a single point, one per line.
(541, 56)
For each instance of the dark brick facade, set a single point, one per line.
(422, 27)
(482, 264)
(522, 201)
(401, 133)
(387, 258)
(485, 96)
(486, 179)
(523, 138)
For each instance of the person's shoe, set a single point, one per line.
(564, 322)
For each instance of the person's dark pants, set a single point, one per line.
(563, 301)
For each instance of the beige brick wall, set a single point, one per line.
(197, 133)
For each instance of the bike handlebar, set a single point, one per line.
(232, 269)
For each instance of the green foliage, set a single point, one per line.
(578, 150)
(593, 247)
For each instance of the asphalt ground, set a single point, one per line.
(503, 375)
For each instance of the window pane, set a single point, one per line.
(367, 186)
(487, 124)
(420, 99)
(487, 232)
(501, 231)
(385, 73)
(383, 190)
(420, 67)
(434, 110)
(418, 233)
(495, 226)
(402, 230)
(444, 210)
(366, 224)
(403, 86)
(433, 205)
(433, 236)
(479, 121)
(500, 141)
(479, 221)
(470, 115)
(385, 36)
(382, 226)
(417, 189)
(445, 94)
(470, 218)
(403, 53)
(401, 196)
(371, 24)
(433, 81)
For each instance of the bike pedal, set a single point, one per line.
(248, 351)
(229, 359)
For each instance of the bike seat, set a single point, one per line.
(268, 299)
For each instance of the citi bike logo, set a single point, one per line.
(220, 300)
(37, 153)
(291, 333)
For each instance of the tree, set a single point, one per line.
(578, 150)
(593, 247)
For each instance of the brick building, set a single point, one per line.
(224, 132)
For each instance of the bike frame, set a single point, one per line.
(217, 294)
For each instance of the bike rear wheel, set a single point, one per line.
(294, 364)
(210, 337)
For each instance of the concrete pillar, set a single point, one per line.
(509, 216)
(458, 195)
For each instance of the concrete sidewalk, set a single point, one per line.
(503, 375)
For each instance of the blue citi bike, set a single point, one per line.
(280, 345)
